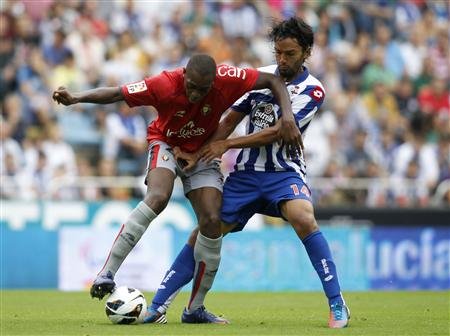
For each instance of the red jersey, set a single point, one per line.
(181, 123)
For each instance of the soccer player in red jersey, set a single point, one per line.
(190, 102)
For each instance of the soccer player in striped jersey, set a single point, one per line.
(268, 178)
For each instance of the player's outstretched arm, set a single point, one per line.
(288, 131)
(104, 95)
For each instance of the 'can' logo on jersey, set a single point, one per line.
(137, 87)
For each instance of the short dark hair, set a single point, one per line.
(202, 64)
(295, 28)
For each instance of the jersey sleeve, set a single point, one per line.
(306, 104)
(243, 104)
(147, 91)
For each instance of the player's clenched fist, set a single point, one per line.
(62, 96)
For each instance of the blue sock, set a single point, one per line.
(320, 255)
(179, 274)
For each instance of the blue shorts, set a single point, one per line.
(247, 192)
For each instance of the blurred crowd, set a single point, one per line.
(385, 66)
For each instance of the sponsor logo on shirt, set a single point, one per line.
(137, 87)
(180, 114)
(231, 71)
(263, 115)
(189, 130)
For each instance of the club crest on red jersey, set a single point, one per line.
(206, 109)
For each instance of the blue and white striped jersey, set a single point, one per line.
(307, 95)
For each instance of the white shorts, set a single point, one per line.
(160, 155)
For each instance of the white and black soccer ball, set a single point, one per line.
(126, 305)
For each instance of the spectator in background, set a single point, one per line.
(125, 140)
(11, 154)
(356, 59)
(440, 55)
(414, 51)
(435, 98)
(375, 71)
(425, 77)
(321, 52)
(358, 156)
(240, 18)
(443, 155)
(128, 17)
(56, 52)
(382, 107)
(68, 74)
(377, 194)
(60, 156)
(385, 150)
(368, 13)
(404, 95)
(407, 13)
(85, 169)
(35, 181)
(216, 44)
(417, 160)
(88, 49)
(12, 114)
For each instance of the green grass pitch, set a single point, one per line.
(286, 313)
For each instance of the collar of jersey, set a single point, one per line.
(300, 78)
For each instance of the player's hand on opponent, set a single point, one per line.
(213, 150)
(62, 96)
(292, 137)
(186, 161)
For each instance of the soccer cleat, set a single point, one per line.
(154, 316)
(339, 316)
(201, 315)
(103, 284)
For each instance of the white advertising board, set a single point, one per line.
(82, 252)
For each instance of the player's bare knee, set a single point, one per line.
(209, 225)
(157, 201)
(305, 224)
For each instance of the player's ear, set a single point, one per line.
(308, 52)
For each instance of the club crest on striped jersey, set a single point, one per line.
(295, 89)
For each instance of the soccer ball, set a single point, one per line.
(126, 305)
